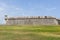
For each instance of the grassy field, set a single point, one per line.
(28, 32)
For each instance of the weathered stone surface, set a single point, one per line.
(32, 20)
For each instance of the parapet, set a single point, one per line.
(36, 17)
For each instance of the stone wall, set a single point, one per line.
(32, 21)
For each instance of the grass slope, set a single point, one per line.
(28, 32)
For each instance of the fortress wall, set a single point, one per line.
(43, 21)
(33, 21)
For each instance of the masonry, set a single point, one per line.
(31, 20)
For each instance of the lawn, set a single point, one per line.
(29, 32)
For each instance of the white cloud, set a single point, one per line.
(17, 9)
(8, 10)
(50, 9)
(1, 9)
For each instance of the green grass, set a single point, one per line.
(28, 32)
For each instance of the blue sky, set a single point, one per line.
(29, 8)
